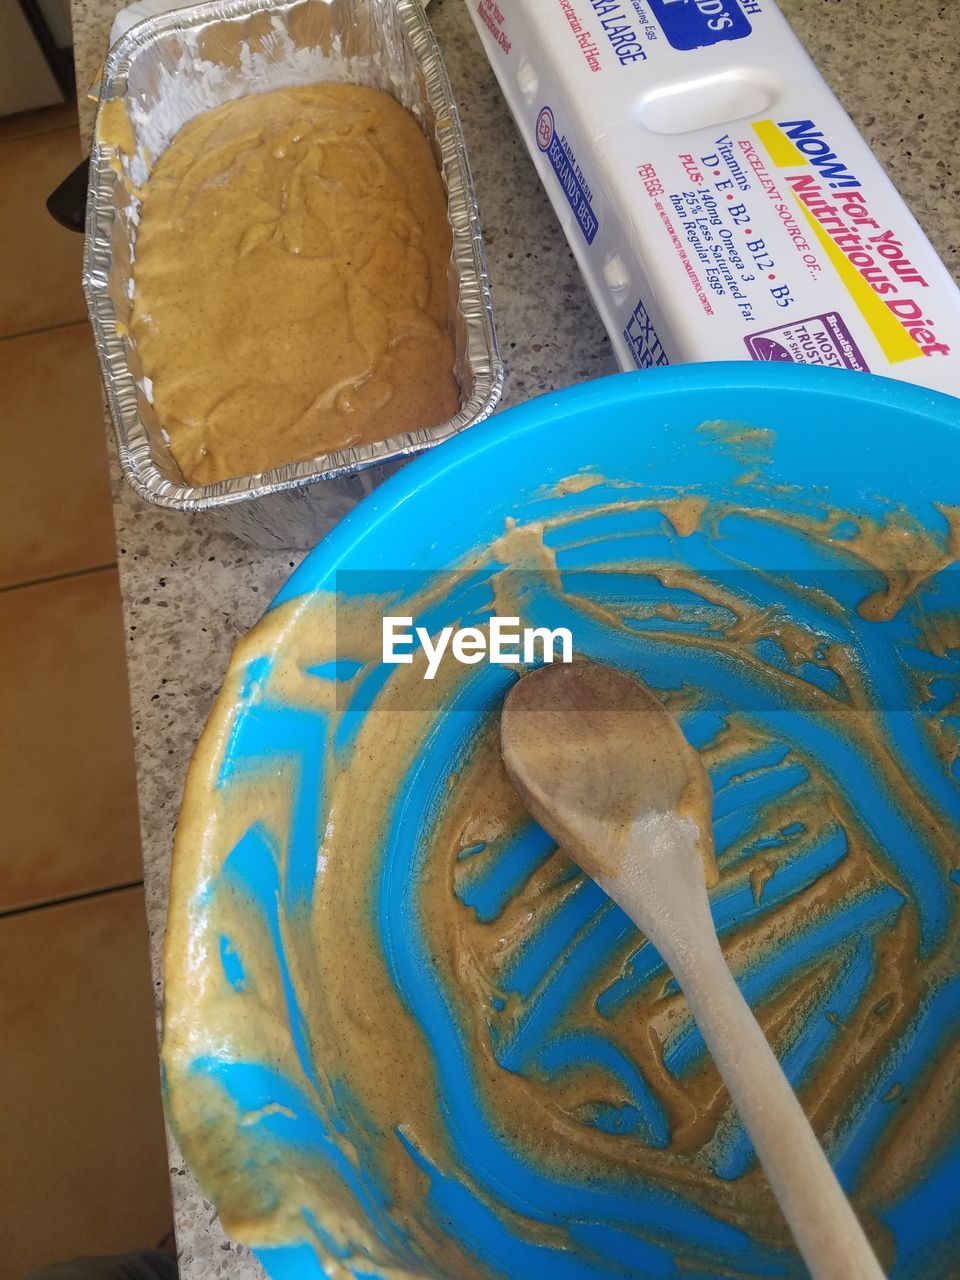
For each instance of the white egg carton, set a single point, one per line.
(719, 201)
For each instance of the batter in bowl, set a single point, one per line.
(291, 293)
(472, 1031)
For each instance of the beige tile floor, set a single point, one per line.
(83, 1167)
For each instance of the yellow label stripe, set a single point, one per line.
(894, 340)
(779, 148)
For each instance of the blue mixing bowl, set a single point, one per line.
(768, 547)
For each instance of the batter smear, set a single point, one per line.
(485, 1037)
(291, 292)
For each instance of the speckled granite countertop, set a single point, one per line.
(189, 593)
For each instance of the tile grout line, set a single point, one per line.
(47, 328)
(13, 136)
(71, 897)
(58, 577)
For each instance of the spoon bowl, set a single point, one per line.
(622, 758)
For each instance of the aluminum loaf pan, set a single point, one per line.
(165, 71)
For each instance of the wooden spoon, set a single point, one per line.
(604, 767)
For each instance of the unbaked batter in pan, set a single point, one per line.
(291, 294)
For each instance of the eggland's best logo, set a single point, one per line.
(544, 128)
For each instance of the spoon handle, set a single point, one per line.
(818, 1213)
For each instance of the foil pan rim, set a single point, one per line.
(135, 455)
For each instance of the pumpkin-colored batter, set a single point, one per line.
(371, 1054)
(290, 280)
